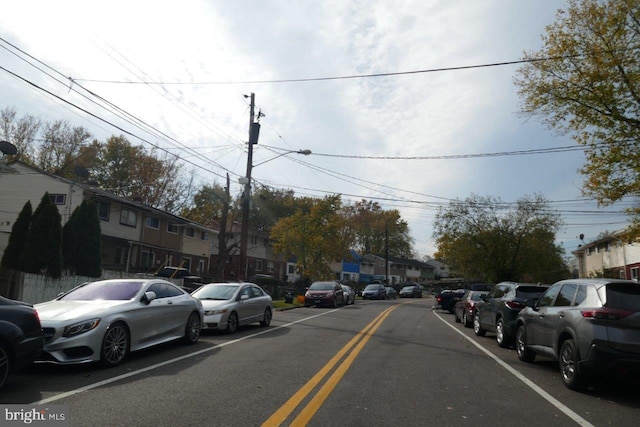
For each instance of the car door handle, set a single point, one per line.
(169, 302)
(561, 315)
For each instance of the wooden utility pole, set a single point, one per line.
(254, 131)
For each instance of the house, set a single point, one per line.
(136, 238)
(614, 256)
(348, 269)
(440, 269)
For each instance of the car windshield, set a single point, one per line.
(373, 287)
(216, 292)
(108, 291)
(624, 296)
(321, 286)
(408, 288)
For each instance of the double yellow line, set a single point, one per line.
(316, 402)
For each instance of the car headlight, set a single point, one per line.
(214, 312)
(80, 328)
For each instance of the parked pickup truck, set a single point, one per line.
(446, 300)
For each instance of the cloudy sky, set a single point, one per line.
(412, 139)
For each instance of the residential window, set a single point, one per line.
(104, 209)
(58, 199)
(189, 232)
(254, 240)
(153, 222)
(271, 266)
(258, 265)
(172, 228)
(186, 263)
(292, 268)
(201, 266)
(128, 217)
(634, 273)
(204, 235)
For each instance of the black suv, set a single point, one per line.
(498, 310)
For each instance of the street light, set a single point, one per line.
(246, 202)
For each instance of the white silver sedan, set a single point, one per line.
(104, 320)
(229, 305)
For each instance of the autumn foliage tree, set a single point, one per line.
(586, 81)
(486, 239)
(316, 235)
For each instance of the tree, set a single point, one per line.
(17, 238)
(20, 132)
(81, 241)
(132, 173)
(61, 147)
(486, 239)
(42, 252)
(316, 235)
(374, 229)
(586, 81)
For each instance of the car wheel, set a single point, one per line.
(232, 323)
(523, 351)
(568, 361)
(477, 329)
(115, 345)
(501, 336)
(192, 331)
(5, 365)
(266, 321)
(465, 319)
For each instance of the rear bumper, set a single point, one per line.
(603, 359)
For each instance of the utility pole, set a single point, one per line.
(254, 132)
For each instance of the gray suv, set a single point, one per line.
(590, 326)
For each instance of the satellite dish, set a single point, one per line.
(8, 148)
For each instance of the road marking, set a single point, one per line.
(168, 362)
(555, 402)
(316, 402)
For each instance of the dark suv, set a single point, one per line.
(590, 326)
(498, 310)
(375, 291)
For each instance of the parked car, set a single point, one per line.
(349, 295)
(463, 309)
(374, 291)
(498, 310)
(446, 300)
(590, 326)
(391, 293)
(411, 291)
(103, 321)
(327, 293)
(229, 305)
(21, 337)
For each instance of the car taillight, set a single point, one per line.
(515, 305)
(605, 313)
(439, 298)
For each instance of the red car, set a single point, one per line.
(463, 308)
(324, 293)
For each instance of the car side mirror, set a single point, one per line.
(244, 297)
(148, 297)
(483, 298)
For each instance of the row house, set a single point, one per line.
(374, 267)
(136, 238)
(614, 256)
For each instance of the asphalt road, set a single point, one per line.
(376, 363)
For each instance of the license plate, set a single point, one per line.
(318, 301)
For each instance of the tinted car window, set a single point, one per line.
(499, 291)
(546, 300)
(321, 286)
(256, 292)
(581, 295)
(526, 292)
(565, 297)
(625, 296)
(109, 291)
(162, 290)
